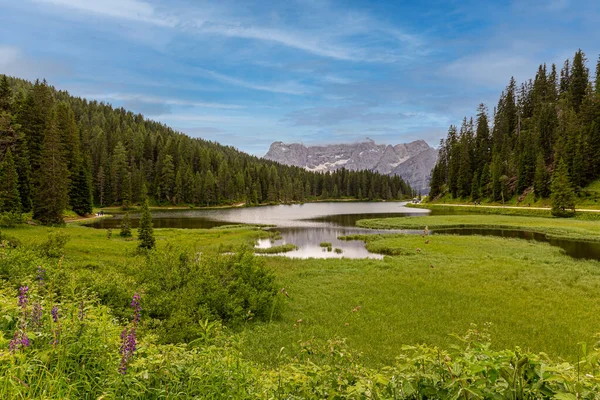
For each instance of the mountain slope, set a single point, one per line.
(411, 161)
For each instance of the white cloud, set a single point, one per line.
(289, 87)
(492, 69)
(158, 100)
(8, 56)
(126, 9)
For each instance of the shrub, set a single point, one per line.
(181, 291)
(11, 219)
(54, 246)
(125, 226)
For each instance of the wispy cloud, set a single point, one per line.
(289, 87)
(158, 100)
(125, 9)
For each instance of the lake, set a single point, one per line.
(307, 225)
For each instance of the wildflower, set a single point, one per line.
(54, 313)
(129, 336)
(137, 308)
(55, 329)
(19, 340)
(23, 297)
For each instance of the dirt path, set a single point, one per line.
(512, 207)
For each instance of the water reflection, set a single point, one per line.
(309, 240)
(307, 225)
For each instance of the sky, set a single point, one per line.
(248, 73)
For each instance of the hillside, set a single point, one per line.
(544, 138)
(116, 157)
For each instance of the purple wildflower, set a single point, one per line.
(54, 313)
(129, 336)
(23, 297)
(137, 308)
(19, 340)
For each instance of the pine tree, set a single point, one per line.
(145, 231)
(80, 192)
(541, 182)
(125, 226)
(597, 83)
(578, 80)
(5, 95)
(10, 201)
(563, 196)
(51, 193)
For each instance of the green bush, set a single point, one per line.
(55, 244)
(183, 290)
(11, 219)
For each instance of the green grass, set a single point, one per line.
(325, 244)
(87, 245)
(552, 227)
(534, 296)
(284, 248)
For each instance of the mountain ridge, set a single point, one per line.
(412, 161)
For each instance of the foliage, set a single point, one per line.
(145, 231)
(11, 219)
(184, 289)
(120, 158)
(535, 125)
(563, 197)
(284, 248)
(54, 246)
(125, 226)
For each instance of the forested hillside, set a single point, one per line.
(544, 137)
(59, 152)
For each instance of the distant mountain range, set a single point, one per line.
(412, 161)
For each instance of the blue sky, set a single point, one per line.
(249, 73)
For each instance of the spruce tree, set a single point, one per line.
(10, 201)
(563, 196)
(125, 226)
(578, 80)
(5, 95)
(145, 231)
(80, 191)
(51, 192)
(541, 183)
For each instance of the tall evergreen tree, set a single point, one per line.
(541, 183)
(10, 200)
(146, 231)
(578, 80)
(52, 188)
(563, 196)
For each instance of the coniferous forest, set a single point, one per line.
(543, 137)
(60, 152)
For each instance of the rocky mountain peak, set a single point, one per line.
(412, 161)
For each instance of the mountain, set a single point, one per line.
(411, 161)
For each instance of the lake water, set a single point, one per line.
(307, 225)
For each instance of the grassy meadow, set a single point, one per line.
(588, 230)
(331, 317)
(534, 296)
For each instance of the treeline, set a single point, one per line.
(59, 152)
(546, 127)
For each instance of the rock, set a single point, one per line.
(412, 161)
